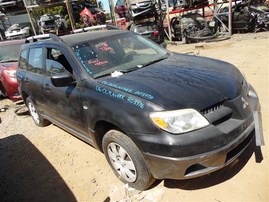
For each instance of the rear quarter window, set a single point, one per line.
(23, 60)
(36, 60)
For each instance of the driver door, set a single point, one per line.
(63, 103)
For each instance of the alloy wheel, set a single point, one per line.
(33, 112)
(122, 162)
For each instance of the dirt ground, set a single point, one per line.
(48, 164)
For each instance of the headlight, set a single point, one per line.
(11, 73)
(179, 121)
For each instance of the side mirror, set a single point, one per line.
(62, 79)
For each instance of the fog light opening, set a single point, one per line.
(194, 169)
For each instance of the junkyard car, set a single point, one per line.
(147, 29)
(250, 17)
(154, 114)
(50, 23)
(9, 55)
(16, 31)
(192, 27)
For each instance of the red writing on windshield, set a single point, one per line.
(97, 62)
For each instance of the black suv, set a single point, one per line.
(154, 114)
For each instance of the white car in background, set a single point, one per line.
(16, 31)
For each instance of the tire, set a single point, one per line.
(185, 39)
(3, 93)
(39, 121)
(126, 160)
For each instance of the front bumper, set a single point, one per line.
(189, 167)
(233, 127)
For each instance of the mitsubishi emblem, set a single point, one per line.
(245, 103)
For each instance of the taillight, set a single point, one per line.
(155, 33)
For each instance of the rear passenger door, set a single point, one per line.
(63, 103)
(34, 77)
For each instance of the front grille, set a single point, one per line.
(212, 108)
(218, 113)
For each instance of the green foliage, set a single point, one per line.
(59, 10)
(93, 2)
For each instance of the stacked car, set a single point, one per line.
(192, 27)
(146, 19)
(247, 17)
(50, 23)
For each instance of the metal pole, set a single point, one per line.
(112, 11)
(168, 21)
(230, 18)
(29, 16)
(70, 14)
(160, 21)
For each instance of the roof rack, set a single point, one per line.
(53, 37)
(85, 29)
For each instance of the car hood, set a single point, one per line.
(181, 81)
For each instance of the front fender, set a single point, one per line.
(125, 111)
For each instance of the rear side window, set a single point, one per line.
(36, 60)
(23, 60)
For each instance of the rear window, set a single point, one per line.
(9, 53)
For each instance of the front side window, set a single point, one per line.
(120, 52)
(56, 62)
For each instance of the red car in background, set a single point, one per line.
(9, 55)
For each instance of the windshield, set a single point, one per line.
(121, 52)
(9, 53)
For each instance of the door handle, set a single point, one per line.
(27, 80)
(46, 87)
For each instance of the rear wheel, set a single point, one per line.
(126, 160)
(39, 121)
(185, 39)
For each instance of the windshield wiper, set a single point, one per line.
(6, 61)
(130, 69)
(118, 72)
(152, 62)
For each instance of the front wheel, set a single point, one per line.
(185, 39)
(3, 93)
(126, 160)
(39, 121)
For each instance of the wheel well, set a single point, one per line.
(24, 96)
(101, 128)
(2, 88)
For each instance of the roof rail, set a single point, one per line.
(53, 37)
(92, 28)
